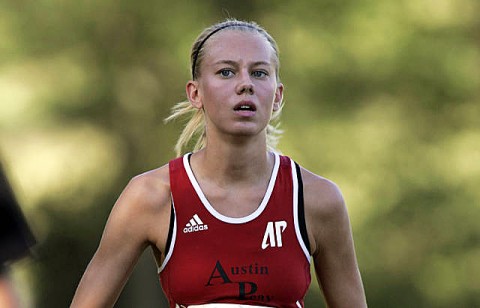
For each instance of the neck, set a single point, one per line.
(234, 163)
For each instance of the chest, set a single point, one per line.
(235, 202)
(255, 257)
(258, 261)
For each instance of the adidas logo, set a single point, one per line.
(195, 224)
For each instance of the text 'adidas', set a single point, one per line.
(195, 224)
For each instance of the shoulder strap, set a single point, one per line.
(301, 209)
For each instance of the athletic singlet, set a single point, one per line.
(261, 259)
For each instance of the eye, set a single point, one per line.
(225, 72)
(259, 74)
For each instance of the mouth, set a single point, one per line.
(245, 106)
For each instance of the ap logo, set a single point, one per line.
(273, 234)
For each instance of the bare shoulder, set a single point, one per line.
(144, 206)
(325, 210)
(150, 190)
(322, 196)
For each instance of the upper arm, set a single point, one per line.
(332, 243)
(134, 222)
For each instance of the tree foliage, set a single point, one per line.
(382, 97)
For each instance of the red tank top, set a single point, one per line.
(261, 259)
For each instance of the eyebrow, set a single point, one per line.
(234, 63)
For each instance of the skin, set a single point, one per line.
(8, 296)
(233, 171)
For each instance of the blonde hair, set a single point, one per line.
(194, 129)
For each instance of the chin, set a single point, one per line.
(249, 132)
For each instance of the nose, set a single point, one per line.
(245, 85)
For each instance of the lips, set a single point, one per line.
(245, 106)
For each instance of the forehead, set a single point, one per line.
(238, 45)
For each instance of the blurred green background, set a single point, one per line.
(382, 97)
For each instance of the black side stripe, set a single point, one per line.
(170, 230)
(301, 209)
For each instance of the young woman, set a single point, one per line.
(233, 223)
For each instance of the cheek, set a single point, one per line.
(267, 92)
(213, 89)
(214, 97)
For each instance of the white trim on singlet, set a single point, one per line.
(222, 305)
(172, 240)
(233, 220)
(295, 211)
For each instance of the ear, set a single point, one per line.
(277, 102)
(193, 94)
